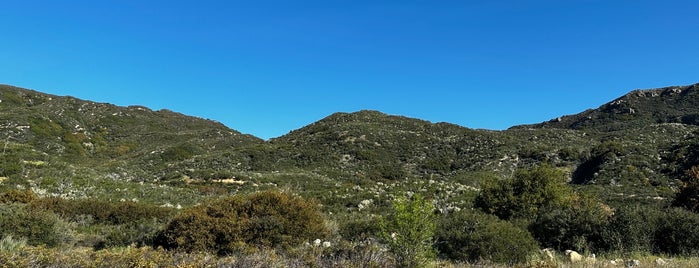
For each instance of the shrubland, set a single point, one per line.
(108, 184)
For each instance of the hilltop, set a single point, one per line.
(677, 104)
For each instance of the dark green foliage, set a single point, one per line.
(180, 152)
(578, 226)
(688, 194)
(441, 165)
(359, 227)
(10, 165)
(386, 172)
(263, 219)
(473, 236)
(677, 233)
(105, 212)
(523, 195)
(605, 152)
(37, 226)
(632, 229)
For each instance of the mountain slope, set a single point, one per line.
(371, 139)
(677, 104)
(58, 141)
(632, 148)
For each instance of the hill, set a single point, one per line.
(102, 176)
(628, 150)
(677, 104)
(53, 142)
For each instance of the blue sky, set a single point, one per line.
(268, 67)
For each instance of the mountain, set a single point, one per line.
(633, 149)
(677, 104)
(57, 140)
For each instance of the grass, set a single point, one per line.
(29, 256)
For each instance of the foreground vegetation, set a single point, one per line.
(510, 222)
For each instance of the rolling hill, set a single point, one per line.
(630, 149)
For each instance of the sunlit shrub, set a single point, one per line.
(523, 195)
(36, 226)
(409, 231)
(264, 219)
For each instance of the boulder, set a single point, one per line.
(573, 256)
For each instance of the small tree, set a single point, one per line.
(409, 231)
(522, 196)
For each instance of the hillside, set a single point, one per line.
(628, 149)
(49, 138)
(99, 178)
(677, 104)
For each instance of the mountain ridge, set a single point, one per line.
(674, 104)
(606, 150)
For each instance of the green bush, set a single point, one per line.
(579, 226)
(102, 211)
(522, 196)
(140, 233)
(474, 236)
(180, 152)
(409, 231)
(36, 226)
(632, 229)
(264, 219)
(359, 228)
(678, 233)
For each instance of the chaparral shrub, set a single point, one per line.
(473, 236)
(18, 196)
(523, 195)
(36, 226)
(264, 219)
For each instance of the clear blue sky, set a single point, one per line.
(268, 67)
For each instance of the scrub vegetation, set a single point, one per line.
(86, 184)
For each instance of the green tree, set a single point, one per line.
(523, 195)
(409, 231)
(579, 226)
(473, 236)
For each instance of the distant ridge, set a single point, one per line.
(676, 104)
